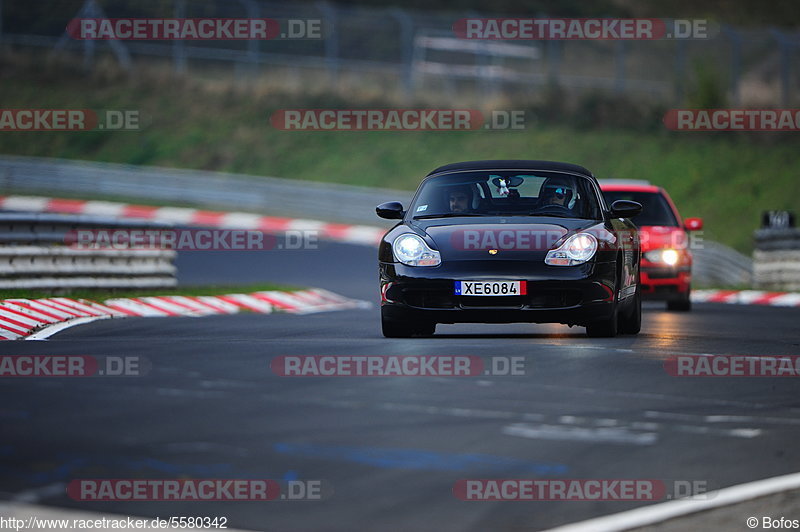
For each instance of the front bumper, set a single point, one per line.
(571, 295)
(665, 283)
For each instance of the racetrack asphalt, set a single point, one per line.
(391, 448)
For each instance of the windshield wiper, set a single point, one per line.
(446, 215)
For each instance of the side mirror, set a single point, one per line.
(693, 224)
(391, 210)
(625, 209)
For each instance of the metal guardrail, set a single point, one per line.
(274, 196)
(718, 265)
(34, 254)
(776, 259)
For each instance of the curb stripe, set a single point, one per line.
(182, 308)
(121, 310)
(20, 318)
(747, 297)
(135, 308)
(63, 308)
(66, 205)
(224, 306)
(44, 309)
(139, 211)
(14, 327)
(248, 302)
(263, 296)
(155, 305)
(161, 304)
(8, 335)
(10, 307)
(71, 303)
(41, 316)
(192, 305)
(353, 234)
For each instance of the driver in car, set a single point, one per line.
(556, 192)
(459, 199)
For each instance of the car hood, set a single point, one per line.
(659, 236)
(509, 238)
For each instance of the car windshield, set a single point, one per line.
(507, 193)
(655, 209)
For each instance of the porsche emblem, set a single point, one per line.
(492, 252)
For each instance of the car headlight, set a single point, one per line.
(667, 256)
(577, 249)
(411, 250)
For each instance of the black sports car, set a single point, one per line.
(510, 241)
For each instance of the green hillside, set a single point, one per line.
(726, 178)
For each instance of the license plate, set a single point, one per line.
(491, 288)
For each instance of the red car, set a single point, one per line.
(666, 268)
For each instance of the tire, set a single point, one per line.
(632, 323)
(395, 329)
(405, 329)
(427, 328)
(683, 304)
(606, 328)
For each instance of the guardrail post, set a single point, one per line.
(680, 71)
(736, 61)
(619, 66)
(406, 24)
(178, 50)
(785, 53)
(252, 44)
(88, 54)
(331, 39)
(553, 54)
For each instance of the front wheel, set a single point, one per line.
(406, 329)
(632, 322)
(684, 304)
(606, 328)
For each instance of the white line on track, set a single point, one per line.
(572, 433)
(50, 330)
(658, 513)
(544, 427)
